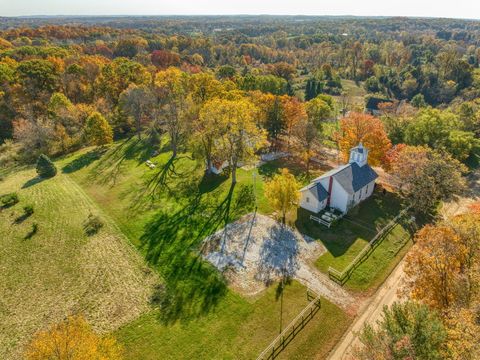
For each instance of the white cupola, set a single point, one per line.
(359, 155)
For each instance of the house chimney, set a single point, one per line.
(359, 155)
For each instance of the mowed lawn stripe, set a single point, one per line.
(59, 270)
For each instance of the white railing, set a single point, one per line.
(320, 221)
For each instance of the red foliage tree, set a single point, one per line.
(164, 59)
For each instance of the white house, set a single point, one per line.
(343, 187)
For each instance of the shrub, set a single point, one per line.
(8, 200)
(92, 225)
(28, 210)
(45, 167)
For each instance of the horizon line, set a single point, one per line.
(239, 14)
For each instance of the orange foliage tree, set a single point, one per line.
(434, 265)
(369, 130)
(72, 339)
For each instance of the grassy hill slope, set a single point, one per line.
(60, 270)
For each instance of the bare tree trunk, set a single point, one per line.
(209, 165)
(234, 174)
(174, 147)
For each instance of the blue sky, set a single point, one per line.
(439, 8)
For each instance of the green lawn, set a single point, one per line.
(350, 235)
(199, 317)
(237, 329)
(56, 270)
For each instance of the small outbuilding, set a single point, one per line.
(372, 106)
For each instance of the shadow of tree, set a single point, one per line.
(278, 255)
(210, 182)
(20, 219)
(173, 242)
(32, 182)
(112, 164)
(269, 169)
(84, 160)
(32, 232)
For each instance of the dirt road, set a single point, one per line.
(386, 295)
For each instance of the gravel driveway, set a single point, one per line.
(257, 250)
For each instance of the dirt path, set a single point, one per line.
(460, 205)
(322, 285)
(385, 295)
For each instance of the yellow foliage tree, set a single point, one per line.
(239, 135)
(72, 339)
(97, 130)
(463, 335)
(172, 88)
(434, 265)
(282, 192)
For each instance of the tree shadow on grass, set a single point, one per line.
(172, 243)
(32, 182)
(271, 168)
(210, 182)
(84, 160)
(112, 166)
(20, 219)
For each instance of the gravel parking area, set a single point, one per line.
(257, 250)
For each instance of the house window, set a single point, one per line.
(308, 199)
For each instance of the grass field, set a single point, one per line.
(58, 270)
(194, 314)
(347, 238)
(237, 329)
(199, 317)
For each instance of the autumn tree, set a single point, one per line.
(240, 135)
(294, 112)
(369, 130)
(164, 59)
(130, 46)
(138, 102)
(97, 130)
(176, 106)
(307, 139)
(406, 331)
(433, 266)
(116, 76)
(275, 122)
(319, 111)
(282, 193)
(209, 128)
(204, 86)
(426, 177)
(72, 339)
(463, 333)
(467, 228)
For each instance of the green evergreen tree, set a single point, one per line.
(45, 167)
